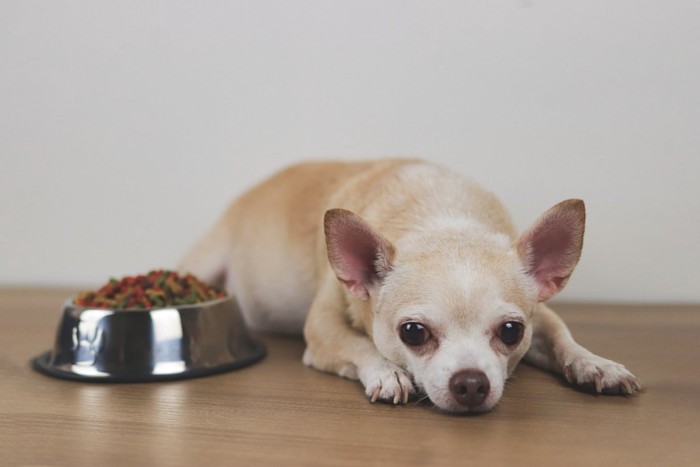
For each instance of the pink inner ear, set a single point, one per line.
(551, 249)
(358, 255)
(549, 246)
(547, 280)
(551, 258)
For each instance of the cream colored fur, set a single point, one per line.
(443, 254)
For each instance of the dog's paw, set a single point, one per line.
(593, 373)
(387, 382)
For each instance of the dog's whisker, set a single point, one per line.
(420, 400)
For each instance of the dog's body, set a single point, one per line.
(405, 276)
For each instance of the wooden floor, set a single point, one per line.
(280, 413)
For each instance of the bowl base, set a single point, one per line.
(41, 364)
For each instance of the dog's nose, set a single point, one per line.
(470, 387)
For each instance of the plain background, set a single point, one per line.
(127, 127)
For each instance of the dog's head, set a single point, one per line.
(453, 304)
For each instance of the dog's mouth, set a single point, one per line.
(452, 409)
(458, 409)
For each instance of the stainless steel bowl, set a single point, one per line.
(98, 344)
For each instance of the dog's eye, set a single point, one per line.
(511, 332)
(414, 334)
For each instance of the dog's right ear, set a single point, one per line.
(551, 248)
(359, 256)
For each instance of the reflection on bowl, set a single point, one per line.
(99, 344)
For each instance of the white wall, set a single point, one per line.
(126, 127)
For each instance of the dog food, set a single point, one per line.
(157, 289)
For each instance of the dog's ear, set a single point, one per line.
(551, 248)
(359, 256)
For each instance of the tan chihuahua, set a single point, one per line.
(407, 277)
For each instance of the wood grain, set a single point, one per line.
(280, 413)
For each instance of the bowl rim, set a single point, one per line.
(70, 303)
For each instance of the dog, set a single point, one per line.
(407, 277)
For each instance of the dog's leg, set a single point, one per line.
(334, 346)
(554, 349)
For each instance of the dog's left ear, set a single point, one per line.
(551, 248)
(359, 256)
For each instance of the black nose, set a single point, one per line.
(470, 387)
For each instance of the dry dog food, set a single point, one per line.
(157, 289)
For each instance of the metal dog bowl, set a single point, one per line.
(97, 344)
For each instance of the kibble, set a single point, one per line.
(157, 289)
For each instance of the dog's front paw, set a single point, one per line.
(593, 373)
(386, 381)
